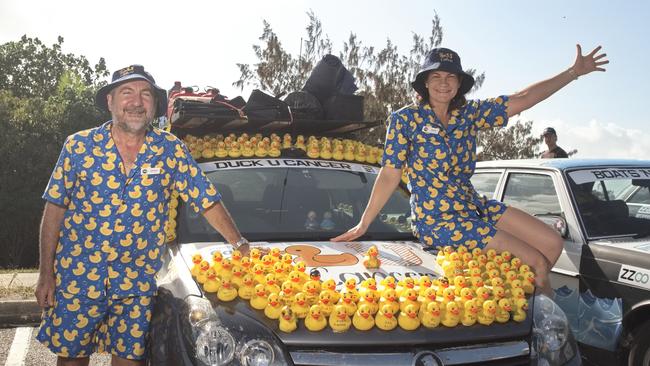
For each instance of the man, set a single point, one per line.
(550, 139)
(102, 232)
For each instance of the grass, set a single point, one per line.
(17, 293)
(17, 270)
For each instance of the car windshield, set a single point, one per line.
(613, 201)
(292, 203)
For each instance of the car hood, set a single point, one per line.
(343, 260)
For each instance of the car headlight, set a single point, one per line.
(553, 342)
(229, 339)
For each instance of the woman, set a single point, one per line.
(435, 142)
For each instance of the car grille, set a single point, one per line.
(492, 354)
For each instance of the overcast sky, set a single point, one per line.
(515, 43)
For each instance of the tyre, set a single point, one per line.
(640, 346)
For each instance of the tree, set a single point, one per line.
(34, 126)
(512, 142)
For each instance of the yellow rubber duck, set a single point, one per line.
(423, 283)
(371, 259)
(385, 319)
(260, 297)
(296, 280)
(315, 320)
(258, 273)
(409, 297)
(311, 291)
(387, 282)
(504, 307)
(217, 258)
(255, 255)
(270, 284)
(339, 320)
(347, 301)
(326, 303)
(389, 297)
(300, 306)
(247, 150)
(274, 150)
(286, 141)
(326, 152)
(466, 294)
(348, 152)
(408, 283)
(528, 282)
(313, 151)
(261, 150)
(428, 297)
(338, 153)
(361, 154)
(363, 319)
(470, 313)
(487, 313)
(273, 307)
(278, 271)
(515, 263)
(431, 316)
(521, 305)
(288, 321)
(371, 299)
(212, 283)
(351, 287)
(246, 264)
(287, 293)
(237, 275)
(448, 296)
(369, 284)
(221, 151)
(441, 284)
(408, 319)
(226, 269)
(482, 294)
(451, 315)
(201, 277)
(227, 292)
(246, 290)
(235, 151)
(459, 284)
(330, 286)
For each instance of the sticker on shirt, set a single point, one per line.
(634, 276)
(430, 129)
(151, 171)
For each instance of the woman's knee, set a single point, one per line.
(555, 244)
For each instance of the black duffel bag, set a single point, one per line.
(304, 105)
(265, 107)
(328, 78)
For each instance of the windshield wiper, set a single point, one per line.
(642, 234)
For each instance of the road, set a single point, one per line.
(18, 347)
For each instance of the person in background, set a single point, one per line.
(550, 139)
(102, 234)
(435, 142)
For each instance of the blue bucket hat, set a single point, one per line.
(130, 73)
(442, 59)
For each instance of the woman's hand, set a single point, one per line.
(352, 234)
(590, 62)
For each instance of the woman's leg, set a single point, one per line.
(528, 254)
(533, 232)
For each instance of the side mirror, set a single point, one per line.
(558, 223)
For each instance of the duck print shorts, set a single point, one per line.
(76, 326)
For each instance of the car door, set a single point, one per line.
(540, 193)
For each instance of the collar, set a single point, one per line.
(153, 135)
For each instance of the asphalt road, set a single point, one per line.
(19, 347)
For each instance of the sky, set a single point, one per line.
(516, 43)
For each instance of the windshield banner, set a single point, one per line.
(591, 175)
(287, 163)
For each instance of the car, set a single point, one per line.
(293, 203)
(601, 207)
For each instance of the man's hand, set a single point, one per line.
(45, 290)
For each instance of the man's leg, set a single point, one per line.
(119, 361)
(65, 361)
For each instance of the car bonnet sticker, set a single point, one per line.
(591, 175)
(287, 163)
(634, 276)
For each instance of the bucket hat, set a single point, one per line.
(130, 73)
(442, 59)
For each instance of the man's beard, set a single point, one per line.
(131, 126)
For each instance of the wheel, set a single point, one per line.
(640, 346)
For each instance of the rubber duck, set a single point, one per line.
(260, 297)
(387, 282)
(237, 275)
(315, 320)
(330, 286)
(524, 268)
(311, 292)
(409, 297)
(347, 301)
(430, 317)
(448, 296)
(505, 267)
(487, 313)
(212, 282)
(299, 305)
(509, 277)
(498, 293)
(351, 287)
(441, 284)
(286, 141)
(497, 281)
(408, 283)
(476, 281)
(339, 320)
(235, 258)
(443, 255)
(498, 259)
(313, 151)
(491, 254)
(470, 313)
(278, 271)
(274, 150)
(515, 284)
(521, 305)
(201, 277)
(326, 151)
(528, 282)
(482, 295)
(221, 151)
(476, 252)
(506, 255)
(363, 319)
(196, 259)
(247, 150)
(235, 150)
(258, 273)
(371, 299)
(361, 154)
(451, 315)
(226, 269)
(371, 259)
(246, 289)
(273, 306)
(300, 143)
(385, 319)
(270, 284)
(288, 321)
(517, 293)
(369, 284)
(275, 254)
(423, 283)
(261, 150)
(408, 318)
(466, 294)
(504, 307)
(295, 279)
(515, 263)
(301, 267)
(255, 255)
(428, 296)
(389, 297)
(466, 257)
(348, 152)
(287, 293)
(325, 302)
(227, 291)
(314, 275)
(459, 284)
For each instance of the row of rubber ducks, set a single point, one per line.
(257, 145)
(271, 281)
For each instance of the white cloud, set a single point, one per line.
(596, 139)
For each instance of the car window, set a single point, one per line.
(486, 183)
(298, 203)
(532, 193)
(642, 196)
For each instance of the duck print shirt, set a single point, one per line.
(112, 234)
(440, 161)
